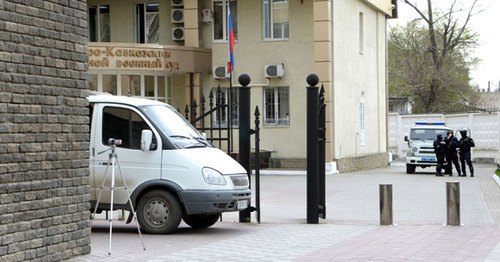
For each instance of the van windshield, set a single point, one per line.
(426, 134)
(177, 129)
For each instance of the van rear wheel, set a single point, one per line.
(159, 212)
(201, 220)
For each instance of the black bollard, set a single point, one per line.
(312, 150)
(244, 134)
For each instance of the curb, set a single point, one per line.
(497, 179)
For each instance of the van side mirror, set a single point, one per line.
(406, 138)
(146, 140)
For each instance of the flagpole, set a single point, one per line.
(230, 43)
(230, 111)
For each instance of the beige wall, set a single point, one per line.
(383, 6)
(358, 75)
(324, 42)
(252, 54)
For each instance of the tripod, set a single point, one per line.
(113, 161)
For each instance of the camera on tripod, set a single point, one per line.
(113, 141)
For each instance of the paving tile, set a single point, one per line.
(351, 231)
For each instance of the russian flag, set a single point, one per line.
(230, 42)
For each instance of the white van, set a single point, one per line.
(175, 174)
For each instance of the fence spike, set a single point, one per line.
(257, 113)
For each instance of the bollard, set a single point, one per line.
(312, 150)
(385, 198)
(453, 203)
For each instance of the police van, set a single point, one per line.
(171, 171)
(420, 144)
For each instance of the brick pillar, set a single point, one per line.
(44, 131)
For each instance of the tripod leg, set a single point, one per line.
(112, 198)
(130, 202)
(102, 187)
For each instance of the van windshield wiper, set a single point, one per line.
(180, 136)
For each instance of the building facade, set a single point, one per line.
(176, 51)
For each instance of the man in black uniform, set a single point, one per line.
(440, 150)
(465, 144)
(451, 153)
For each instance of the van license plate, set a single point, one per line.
(242, 204)
(428, 159)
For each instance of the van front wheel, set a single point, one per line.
(159, 212)
(201, 220)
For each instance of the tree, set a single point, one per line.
(430, 58)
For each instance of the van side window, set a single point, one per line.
(124, 124)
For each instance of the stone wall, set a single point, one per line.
(365, 162)
(44, 131)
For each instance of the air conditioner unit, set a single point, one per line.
(275, 71)
(178, 33)
(177, 16)
(176, 2)
(220, 72)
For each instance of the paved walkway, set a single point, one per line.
(351, 231)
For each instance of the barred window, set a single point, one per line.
(276, 106)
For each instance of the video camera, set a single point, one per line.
(113, 141)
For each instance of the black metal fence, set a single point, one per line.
(215, 121)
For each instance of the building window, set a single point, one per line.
(158, 88)
(155, 87)
(147, 23)
(98, 19)
(220, 116)
(93, 82)
(276, 106)
(361, 33)
(131, 85)
(276, 19)
(220, 19)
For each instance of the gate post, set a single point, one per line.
(244, 134)
(257, 162)
(312, 150)
(321, 159)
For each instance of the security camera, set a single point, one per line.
(393, 6)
